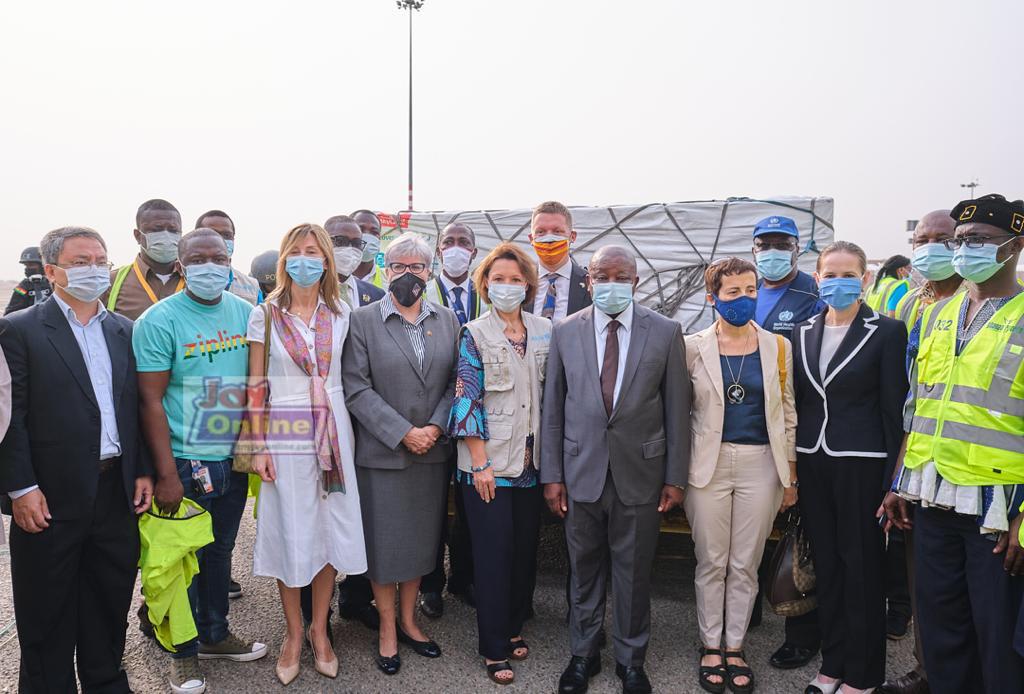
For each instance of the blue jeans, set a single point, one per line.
(208, 593)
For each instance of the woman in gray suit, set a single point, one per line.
(398, 370)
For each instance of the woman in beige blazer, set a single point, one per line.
(743, 464)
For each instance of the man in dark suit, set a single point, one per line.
(73, 465)
(616, 423)
(563, 287)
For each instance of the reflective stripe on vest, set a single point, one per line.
(115, 288)
(908, 309)
(875, 297)
(969, 413)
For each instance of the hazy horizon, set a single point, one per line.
(281, 114)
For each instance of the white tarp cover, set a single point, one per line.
(674, 242)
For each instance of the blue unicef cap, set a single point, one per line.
(776, 225)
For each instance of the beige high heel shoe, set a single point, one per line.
(288, 674)
(327, 668)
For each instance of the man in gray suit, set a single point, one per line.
(616, 454)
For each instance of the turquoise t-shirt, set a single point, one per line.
(205, 349)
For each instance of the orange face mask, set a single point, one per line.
(552, 253)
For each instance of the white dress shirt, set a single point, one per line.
(601, 321)
(93, 345)
(449, 285)
(563, 275)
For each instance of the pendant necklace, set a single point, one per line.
(735, 393)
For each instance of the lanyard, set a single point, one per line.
(145, 284)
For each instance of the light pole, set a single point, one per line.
(410, 5)
(972, 185)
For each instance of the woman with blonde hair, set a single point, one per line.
(309, 526)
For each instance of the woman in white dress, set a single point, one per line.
(309, 526)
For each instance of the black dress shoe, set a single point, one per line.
(146, 626)
(367, 615)
(432, 605)
(910, 683)
(790, 657)
(427, 649)
(576, 678)
(234, 589)
(896, 626)
(634, 679)
(389, 665)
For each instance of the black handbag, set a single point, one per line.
(790, 589)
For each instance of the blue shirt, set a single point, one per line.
(93, 344)
(798, 302)
(898, 293)
(205, 350)
(744, 422)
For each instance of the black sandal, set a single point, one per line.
(706, 671)
(735, 671)
(514, 646)
(494, 668)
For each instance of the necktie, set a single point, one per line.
(610, 366)
(458, 306)
(346, 294)
(549, 298)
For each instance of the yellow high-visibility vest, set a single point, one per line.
(969, 410)
(878, 296)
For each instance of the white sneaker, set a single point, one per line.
(186, 677)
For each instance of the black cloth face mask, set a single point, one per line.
(407, 288)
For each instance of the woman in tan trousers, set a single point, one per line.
(743, 464)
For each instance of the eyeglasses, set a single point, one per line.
(399, 268)
(345, 242)
(973, 241)
(85, 263)
(760, 245)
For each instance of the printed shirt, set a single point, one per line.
(205, 350)
(469, 414)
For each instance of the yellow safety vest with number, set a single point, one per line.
(969, 411)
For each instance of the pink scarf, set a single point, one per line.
(325, 429)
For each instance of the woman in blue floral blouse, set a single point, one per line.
(496, 419)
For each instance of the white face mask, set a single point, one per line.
(162, 246)
(347, 259)
(456, 260)
(372, 247)
(87, 283)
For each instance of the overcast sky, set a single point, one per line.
(281, 113)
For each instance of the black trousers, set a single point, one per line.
(897, 585)
(460, 549)
(505, 535)
(73, 585)
(353, 593)
(838, 499)
(967, 606)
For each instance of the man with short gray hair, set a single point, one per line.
(73, 472)
(617, 452)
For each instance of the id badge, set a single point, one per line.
(202, 482)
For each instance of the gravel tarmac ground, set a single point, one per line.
(671, 659)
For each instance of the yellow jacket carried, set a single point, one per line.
(168, 562)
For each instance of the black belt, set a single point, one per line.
(109, 464)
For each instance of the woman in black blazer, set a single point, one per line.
(850, 383)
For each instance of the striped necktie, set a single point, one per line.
(457, 305)
(550, 297)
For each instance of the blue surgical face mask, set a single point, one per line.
(230, 243)
(934, 261)
(162, 246)
(613, 298)
(372, 247)
(774, 264)
(978, 264)
(738, 311)
(840, 292)
(506, 297)
(87, 283)
(207, 280)
(303, 270)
